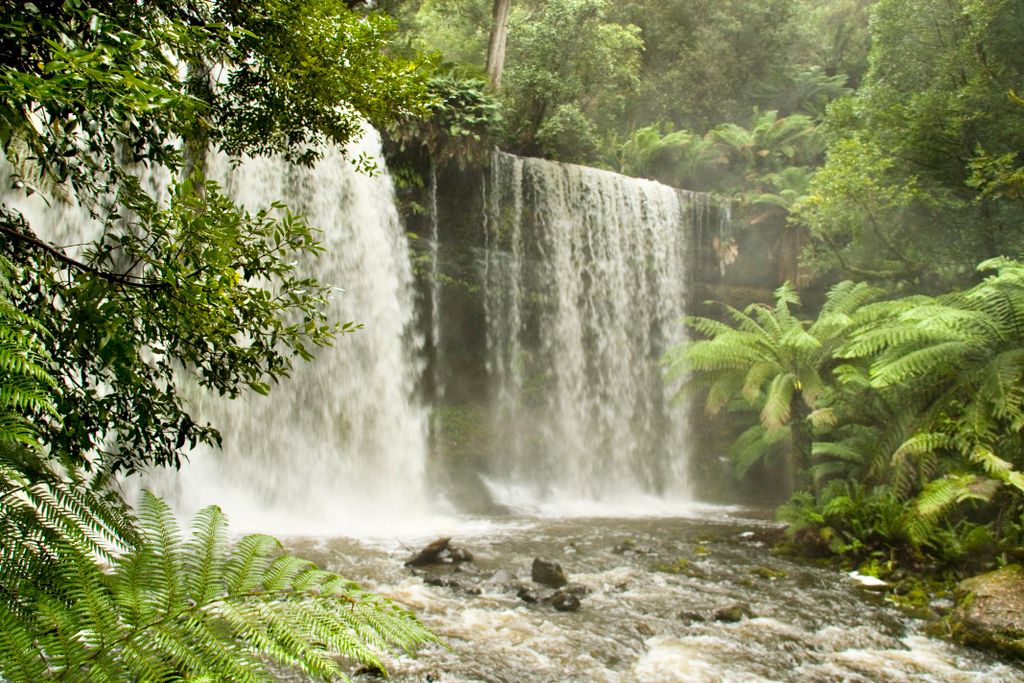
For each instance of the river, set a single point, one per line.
(638, 622)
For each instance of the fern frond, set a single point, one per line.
(756, 376)
(786, 296)
(839, 450)
(204, 555)
(919, 444)
(935, 362)
(721, 391)
(941, 494)
(170, 608)
(823, 418)
(706, 326)
(778, 401)
(751, 447)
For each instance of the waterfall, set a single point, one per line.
(585, 280)
(435, 284)
(340, 446)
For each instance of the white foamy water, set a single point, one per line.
(641, 623)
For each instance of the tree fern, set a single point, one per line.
(772, 360)
(174, 609)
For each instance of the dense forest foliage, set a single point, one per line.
(897, 408)
(878, 143)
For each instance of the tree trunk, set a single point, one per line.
(496, 44)
(801, 442)
(197, 137)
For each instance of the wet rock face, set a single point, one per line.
(548, 573)
(990, 611)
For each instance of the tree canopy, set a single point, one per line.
(914, 147)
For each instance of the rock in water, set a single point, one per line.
(528, 596)
(431, 554)
(548, 573)
(733, 613)
(990, 611)
(565, 602)
(460, 555)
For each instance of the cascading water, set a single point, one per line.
(339, 447)
(585, 281)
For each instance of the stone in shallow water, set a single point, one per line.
(548, 573)
(432, 553)
(528, 596)
(565, 602)
(733, 613)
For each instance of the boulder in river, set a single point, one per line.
(432, 553)
(733, 613)
(990, 611)
(548, 573)
(564, 601)
(439, 552)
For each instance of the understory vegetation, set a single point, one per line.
(899, 418)
(895, 407)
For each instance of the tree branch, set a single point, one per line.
(115, 278)
(854, 270)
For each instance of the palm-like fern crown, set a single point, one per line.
(767, 355)
(956, 363)
(963, 353)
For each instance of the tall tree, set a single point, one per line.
(94, 345)
(497, 41)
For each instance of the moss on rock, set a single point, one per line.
(990, 611)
